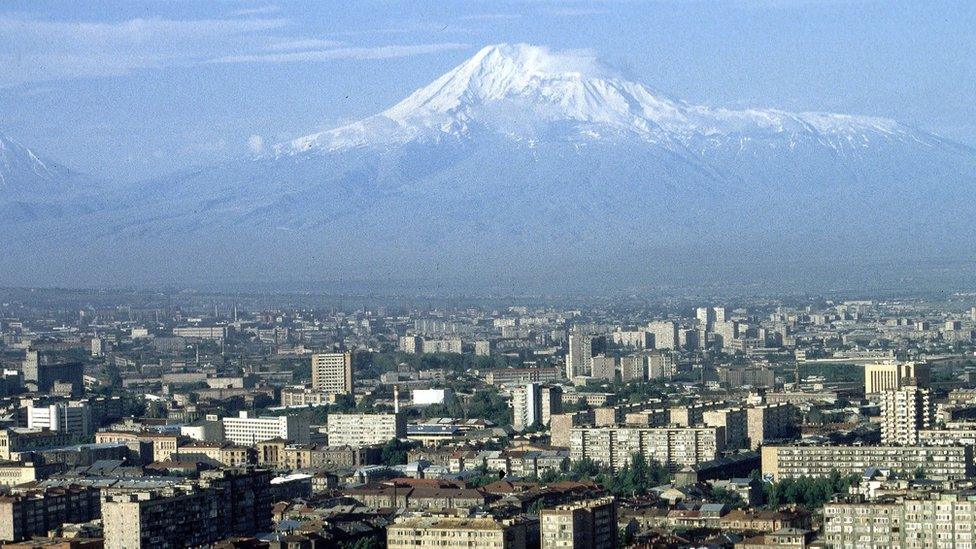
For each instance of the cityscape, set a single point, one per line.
(138, 419)
(487, 274)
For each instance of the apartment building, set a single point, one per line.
(670, 446)
(411, 532)
(358, 430)
(943, 520)
(590, 524)
(936, 462)
(734, 421)
(34, 513)
(904, 413)
(332, 373)
(534, 404)
(771, 422)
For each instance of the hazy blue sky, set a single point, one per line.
(129, 90)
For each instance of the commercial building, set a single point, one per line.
(332, 373)
(358, 430)
(411, 532)
(426, 397)
(590, 524)
(71, 418)
(41, 376)
(670, 446)
(248, 430)
(935, 462)
(201, 332)
(905, 412)
(889, 375)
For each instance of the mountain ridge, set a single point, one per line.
(523, 162)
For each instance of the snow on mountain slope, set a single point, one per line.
(522, 161)
(23, 171)
(515, 89)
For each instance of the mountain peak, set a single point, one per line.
(524, 92)
(21, 170)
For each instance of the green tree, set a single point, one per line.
(394, 452)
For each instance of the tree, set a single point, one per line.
(394, 452)
(727, 497)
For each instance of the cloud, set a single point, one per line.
(37, 50)
(255, 143)
(377, 52)
(303, 44)
(576, 12)
(263, 10)
(490, 17)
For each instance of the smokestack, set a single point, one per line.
(396, 399)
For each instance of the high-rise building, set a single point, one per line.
(41, 376)
(578, 357)
(332, 373)
(224, 503)
(633, 368)
(590, 524)
(357, 430)
(37, 512)
(603, 367)
(97, 347)
(705, 316)
(660, 365)
(582, 347)
(904, 412)
(534, 404)
(885, 376)
(411, 344)
(771, 422)
(665, 334)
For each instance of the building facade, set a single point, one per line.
(332, 373)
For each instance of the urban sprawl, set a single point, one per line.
(236, 421)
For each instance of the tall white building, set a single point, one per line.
(579, 355)
(332, 373)
(65, 417)
(359, 430)
(904, 412)
(665, 334)
(246, 430)
(534, 404)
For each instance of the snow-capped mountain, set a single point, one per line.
(23, 171)
(521, 91)
(523, 162)
(34, 188)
